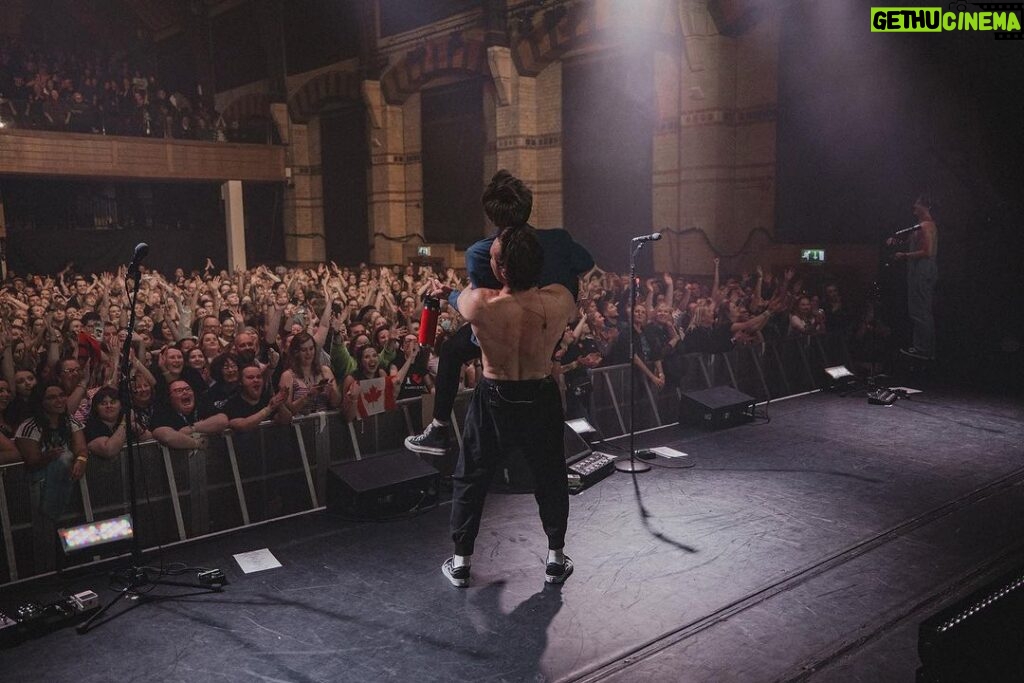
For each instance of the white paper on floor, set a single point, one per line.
(666, 452)
(256, 561)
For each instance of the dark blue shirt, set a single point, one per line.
(564, 261)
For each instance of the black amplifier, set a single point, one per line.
(384, 485)
(715, 408)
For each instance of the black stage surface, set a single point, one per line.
(809, 547)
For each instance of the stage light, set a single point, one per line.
(841, 378)
(581, 427)
(837, 372)
(115, 530)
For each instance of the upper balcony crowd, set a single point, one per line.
(102, 92)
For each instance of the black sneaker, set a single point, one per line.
(459, 576)
(917, 353)
(558, 573)
(434, 440)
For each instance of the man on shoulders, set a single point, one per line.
(516, 404)
(507, 202)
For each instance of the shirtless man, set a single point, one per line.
(921, 276)
(517, 403)
(507, 201)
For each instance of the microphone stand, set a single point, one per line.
(136, 575)
(632, 465)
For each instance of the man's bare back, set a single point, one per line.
(517, 330)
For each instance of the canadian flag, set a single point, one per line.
(375, 396)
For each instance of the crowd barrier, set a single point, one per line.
(246, 478)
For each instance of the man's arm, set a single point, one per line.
(175, 438)
(470, 302)
(245, 424)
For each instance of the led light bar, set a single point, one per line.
(112, 530)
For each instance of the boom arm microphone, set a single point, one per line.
(653, 237)
(141, 249)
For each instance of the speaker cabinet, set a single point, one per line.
(382, 486)
(715, 408)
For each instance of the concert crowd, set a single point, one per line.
(212, 350)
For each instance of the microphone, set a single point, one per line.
(653, 237)
(904, 231)
(141, 249)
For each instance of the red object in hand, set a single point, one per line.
(428, 321)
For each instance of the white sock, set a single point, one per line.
(556, 556)
(437, 423)
(462, 560)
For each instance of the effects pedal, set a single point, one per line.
(213, 578)
(33, 619)
(590, 469)
(882, 397)
(85, 601)
(8, 630)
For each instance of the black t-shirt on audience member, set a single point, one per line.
(237, 407)
(697, 340)
(415, 382)
(721, 338)
(578, 376)
(217, 396)
(95, 428)
(166, 416)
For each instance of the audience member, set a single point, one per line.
(106, 429)
(179, 424)
(251, 405)
(52, 445)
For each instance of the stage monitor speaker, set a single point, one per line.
(715, 408)
(381, 486)
(979, 638)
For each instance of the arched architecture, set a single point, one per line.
(712, 150)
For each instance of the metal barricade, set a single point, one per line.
(244, 478)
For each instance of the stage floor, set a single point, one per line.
(807, 547)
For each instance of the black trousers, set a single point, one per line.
(504, 415)
(456, 352)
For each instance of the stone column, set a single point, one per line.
(234, 218)
(391, 160)
(303, 197)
